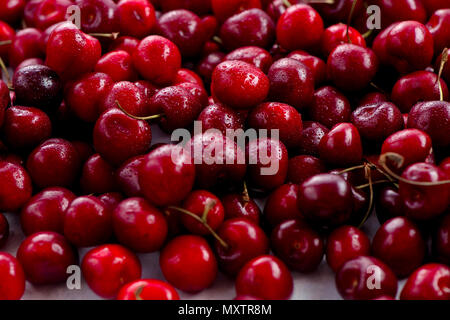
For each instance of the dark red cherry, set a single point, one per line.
(441, 240)
(98, 16)
(439, 25)
(26, 44)
(147, 289)
(336, 35)
(329, 107)
(282, 205)
(217, 116)
(136, 17)
(429, 282)
(97, 175)
(200, 7)
(110, 200)
(118, 65)
(128, 44)
(7, 34)
(45, 211)
(388, 204)
(434, 5)
(401, 10)
(339, 11)
(365, 278)
(186, 75)
(325, 199)
(4, 230)
(11, 11)
(207, 64)
(15, 186)
(224, 9)
(127, 95)
(44, 13)
(127, 176)
(237, 206)
(12, 277)
(256, 56)
(312, 134)
(303, 167)
(373, 98)
(4, 100)
(45, 257)
(315, 64)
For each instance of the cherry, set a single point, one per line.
(12, 284)
(4, 230)
(256, 56)
(206, 66)
(326, 199)
(37, 86)
(365, 278)
(224, 9)
(127, 95)
(378, 121)
(118, 65)
(402, 10)
(274, 115)
(217, 116)
(26, 44)
(303, 167)
(45, 257)
(45, 211)
(164, 181)
(388, 204)
(26, 127)
(15, 186)
(118, 137)
(87, 222)
(275, 9)
(299, 19)
(70, 52)
(239, 85)
(445, 166)
(85, 95)
(373, 98)
(312, 134)
(344, 244)
(11, 11)
(339, 10)
(433, 118)
(441, 240)
(6, 37)
(341, 146)
(107, 268)
(30, 62)
(110, 200)
(186, 75)
(97, 175)
(336, 35)
(329, 107)
(439, 26)
(139, 226)
(238, 206)
(200, 7)
(433, 5)
(98, 16)
(268, 163)
(400, 245)
(315, 64)
(281, 205)
(188, 263)
(291, 82)
(44, 13)
(148, 289)
(157, 59)
(147, 91)
(136, 17)
(407, 46)
(424, 202)
(265, 277)
(245, 241)
(198, 92)
(429, 282)
(412, 144)
(127, 176)
(128, 44)
(55, 162)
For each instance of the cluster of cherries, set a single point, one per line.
(363, 118)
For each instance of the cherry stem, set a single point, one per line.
(399, 160)
(444, 60)
(5, 70)
(367, 34)
(245, 195)
(203, 222)
(363, 186)
(370, 208)
(218, 40)
(6, 42)
(383, 173)
(138, 293)
(362, 166)
(349, 21)
(113, 35)
(320, 1)
(155, 116)
(377, 87)
(286, 3)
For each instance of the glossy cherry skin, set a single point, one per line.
(163, 181)
(441, 240)
(148, 289)
(15, 186)
(336, 35)
(329, 107)
(375, 122)
(291, 82)
(11, 11)
(245, 241)
(299, 246)
(97, 175)
(128, 95)
(412, 144)
(400, 245)
(136, 17)
(256, 56)
(281, 205)
(239, 85)
(200, 7)
(45, 257)
(107, 268)
(274, 115)
(12, 284)
(353, 278)
(26, 127)
(439, 27)
(341, 146)
(217, 116)
(208, 63)
(26, 44)
(7, 33)
(344, 244)
(98, 16)
(128, 44)
(325, 199)
(118, 65)
(186, 75)
(110, 200)
(223, 9)
(297, 20)
(424, 202)
(44, 13)
(45, 211)
(188, 263)
(433, 118)
(139, 226)
(429, 282)
(87, 222)
(236, 206)
(388, 204)
(351, 67)
(303, 167)
(118, 137)
(4, 100)
(4, 230)
(265, 277)
(434, 5)
(312, 134)
(315, 64)
(157, 59)
(127, 176)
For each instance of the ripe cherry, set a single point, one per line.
(429, 282)
(147, 289)
(110, 200)
(329, 107)
(282, 205)
(186, 75)
(303, 167)
(7, 34)
(434, 5)
(44, 13)
(128, 44)
(12, 278)
(224, 9)
(118, 65)
(312, 134)
(26, 44)
(200, 7)
(98, 16)
(107, 268)
(401, 10)
(11, 11)
(136, 17)
(438, 25)
(127, 95)
(188, 263)
(441, 240)
(256, 56)
(238, 206)
(315, 64)
(4, 100)
(127, 176)
(339, 10)
(336, 35)
(45, 257)
(97, 175)
(4, 230)
(217, 116)
(15, 186)
(388, 204)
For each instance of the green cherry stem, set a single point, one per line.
(155, 116)
(444, 60)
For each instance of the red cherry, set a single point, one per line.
(45, 211)
(265, 277)
(98, 16)
(441, 240)
(315, 64)
(200, 7)
(224, 9)
(388, 204)
(429, 282)
(340, 10)
(282, 205)
(434, 5)
(329, 107)
(107, 268)
(312, 134)
(401, 10)
(127, 176)
(45, 257)
(25, 45)
(6, 34)
(217, 116)
(87, 222)
(236, 206)
(256, 56)
(44, 13)
(147, 289)
(188, 263)
(303, 167)
(12, 278)
(4, 100)
(110, 200)
(128, 44)
(15, 186)
(186, 75)
(344, 244)
(208, 63)
(118, 65)
(299, 19)
(4, 230)
(129, 97)
(97, 175)
(373, 98)
(365, 278)
(136, 17)
(336, 35)
(11, 11)
(439, 25)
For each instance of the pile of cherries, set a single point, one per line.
(364, 127)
